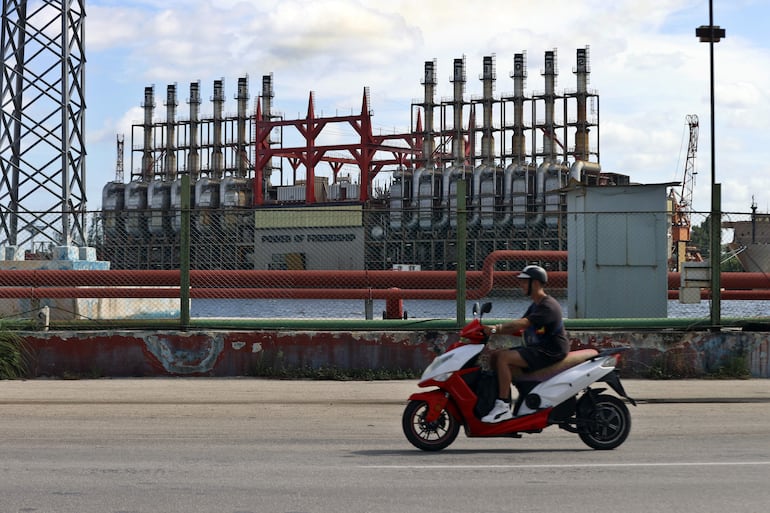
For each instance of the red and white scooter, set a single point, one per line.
(557, 395)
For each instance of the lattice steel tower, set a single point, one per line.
(42, 123)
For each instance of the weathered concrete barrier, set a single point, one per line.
(242, 353)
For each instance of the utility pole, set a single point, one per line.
(713, 34)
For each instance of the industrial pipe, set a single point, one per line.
(322, 279)
(246, 284)
(318, 284)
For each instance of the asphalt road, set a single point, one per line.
(246, 445)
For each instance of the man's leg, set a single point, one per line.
(507, 361)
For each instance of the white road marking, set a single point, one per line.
(574, 465)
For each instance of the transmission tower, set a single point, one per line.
(42, 122)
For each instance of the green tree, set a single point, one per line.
(700, 237)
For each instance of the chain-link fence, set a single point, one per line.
(353, 261)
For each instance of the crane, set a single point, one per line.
(682, 202)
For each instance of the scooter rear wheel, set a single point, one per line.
(607, 422)
(428, 436)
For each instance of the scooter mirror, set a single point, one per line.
(486, 307)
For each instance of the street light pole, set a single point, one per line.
(713, 34)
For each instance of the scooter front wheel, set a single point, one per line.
(428, 436)
(606, 422)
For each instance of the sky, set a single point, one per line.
(646, 64)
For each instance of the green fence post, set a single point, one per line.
(461, 252)
(716, 256)
(184, 255)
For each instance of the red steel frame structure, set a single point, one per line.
(363, 153)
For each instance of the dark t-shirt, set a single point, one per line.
(546, 331)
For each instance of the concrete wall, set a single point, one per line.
(234, 353)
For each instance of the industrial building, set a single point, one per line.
(253, 171)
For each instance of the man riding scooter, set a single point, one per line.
(545, 340)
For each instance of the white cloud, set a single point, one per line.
(647, 65)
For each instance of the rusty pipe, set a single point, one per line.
(244, 284)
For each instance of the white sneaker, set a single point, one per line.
(500, 412)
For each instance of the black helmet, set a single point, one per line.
(534, 272)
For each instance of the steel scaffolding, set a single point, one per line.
(42, 123)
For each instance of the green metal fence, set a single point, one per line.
(352, 265)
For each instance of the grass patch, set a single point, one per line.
(733, 367)
(670, 365)
(14, 356)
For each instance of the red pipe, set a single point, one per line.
(88, 292)
(316, 284)
(292, 293)
(735, 280)
(743, 294)
(324, 279)
(288, 279)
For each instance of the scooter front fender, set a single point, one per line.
(437, 401)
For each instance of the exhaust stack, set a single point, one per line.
(148, 161)
(217, 158)
(243, 105)
(519, 75)
(581, 134)
(458, 140)
(169, 173)
(549, 127)
(267, 115)
(194, 157)
(429, 105)
(488, 86)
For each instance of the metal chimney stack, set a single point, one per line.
(519, 75)
(581, 134)
(243, 105)
(458, 141)
(169, 173)
(194, 157)
(549, 73)
(267, 97)
(218, 100)
(488, 86)
(429, 105)
(267, 114)
(147, 158)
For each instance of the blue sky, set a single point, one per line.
(646, 63)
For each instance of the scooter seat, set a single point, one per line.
(573, 358)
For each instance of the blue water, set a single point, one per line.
(425, 309)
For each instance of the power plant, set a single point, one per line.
(515, 151)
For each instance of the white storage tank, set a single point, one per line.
(235, 195)
(520, 193)
(135, 199)
(484, 200)
(176, 203)
(556, 179)
(206, 205)
(113, 205)
(159, 202)
(425, 195)
(400, 194)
